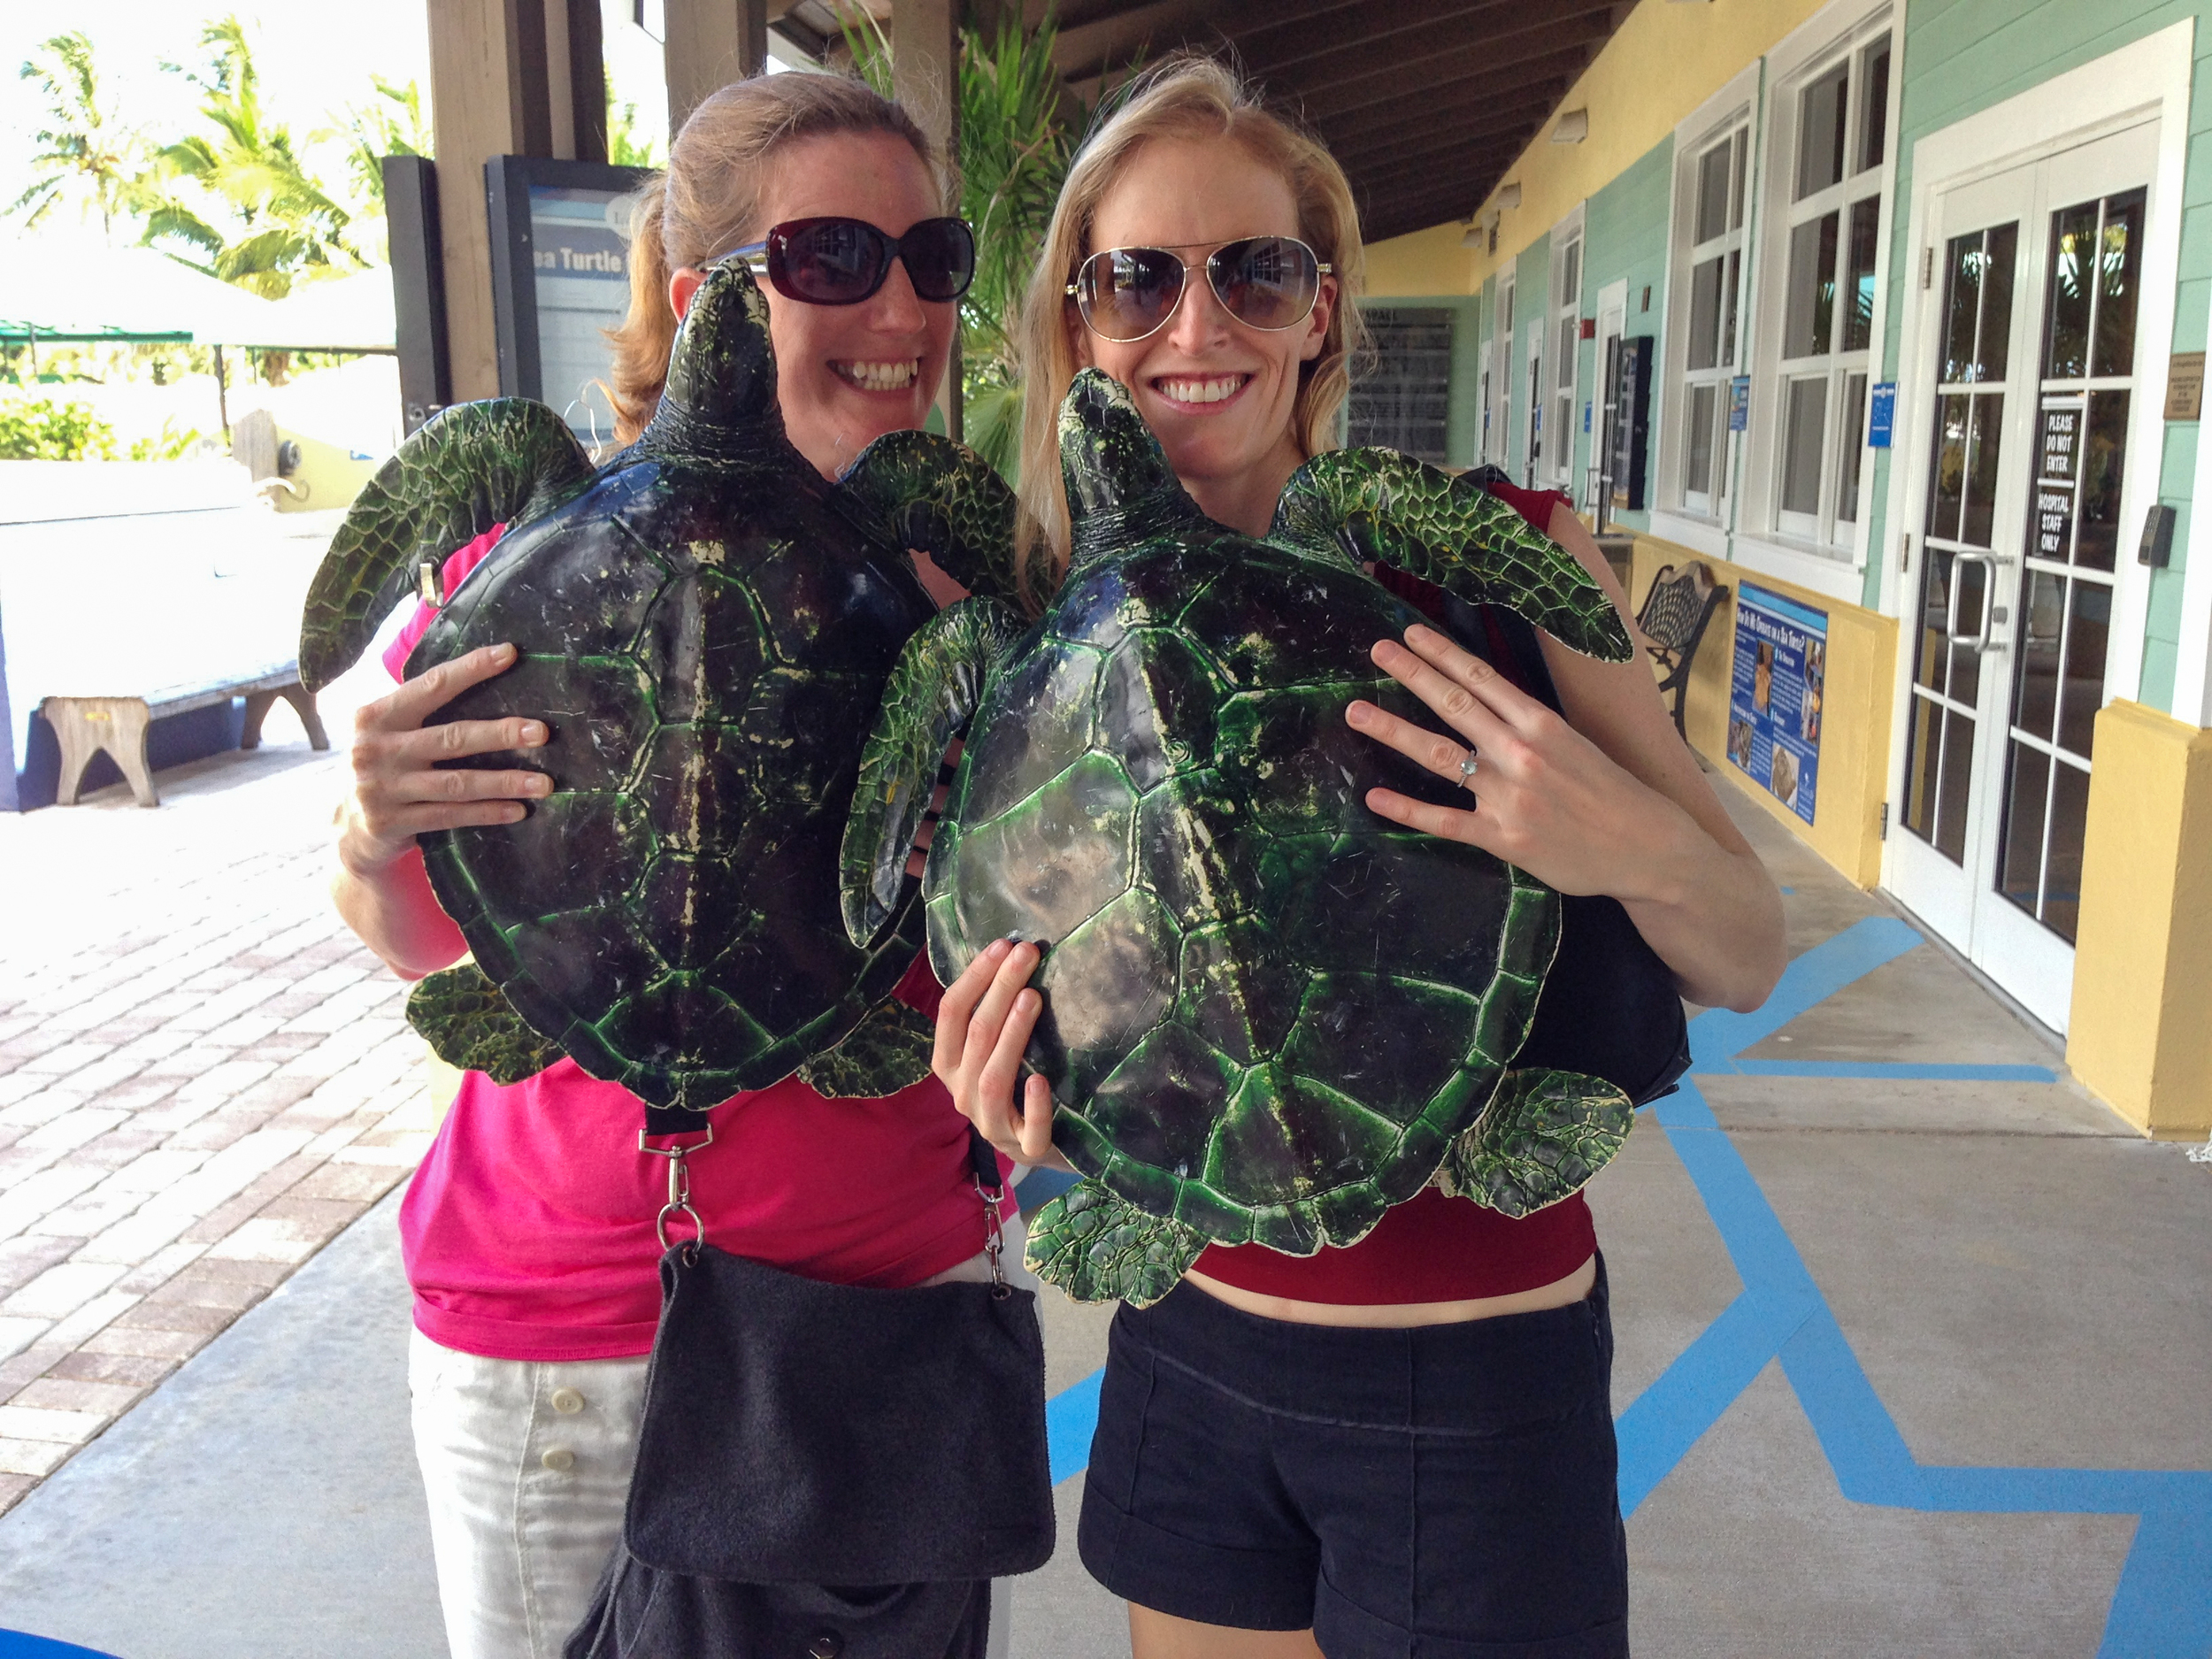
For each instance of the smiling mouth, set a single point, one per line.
(1195, 391)
(895, 376)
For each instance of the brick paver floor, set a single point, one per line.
(203, 1078)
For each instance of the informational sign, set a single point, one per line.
(1739, 403)
(1881, 419)
(581, 270)
(2057, 469)
(2184, 386)
(1776, 686)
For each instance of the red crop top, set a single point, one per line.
(1430, 1248)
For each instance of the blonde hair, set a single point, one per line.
(710, 200)
(1187, 96)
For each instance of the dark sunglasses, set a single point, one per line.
(1127, 294)
(844, 261)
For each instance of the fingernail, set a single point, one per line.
(503, 653)
(1356, 715)
(541, 785)
(533, 732)
(998, 948)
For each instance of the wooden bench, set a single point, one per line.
(83, 727)
(1675, 613)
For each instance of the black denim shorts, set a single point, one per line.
(1446, 1492)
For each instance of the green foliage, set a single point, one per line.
(623, 148)
(84, 150)
(234, 200)
(1018, 135)
(168, 445)
(395, 126)
(40, 429)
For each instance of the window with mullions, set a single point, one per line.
(1831, 243)
(1712, 345)
(1566, 336)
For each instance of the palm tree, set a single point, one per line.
(283, 223)
(623, 148)
(83, 149)
(395, 126)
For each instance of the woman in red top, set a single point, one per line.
(1405, 1445)
(529, 1231)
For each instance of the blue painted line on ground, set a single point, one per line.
(2162, 1606)
(1070, 1417)
(15, 1644)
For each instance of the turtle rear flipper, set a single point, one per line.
(467, 1023)
(918, 490)
(887, 1051)
(467, 468)
(933, 691)
(1395, 510)
(1099, 1247)
(1542, 1137)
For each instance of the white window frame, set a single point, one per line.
(1562, 338)
(1702, 519)
(1773, 538)
(1506, 360)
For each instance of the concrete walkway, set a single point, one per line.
(1912, 1349)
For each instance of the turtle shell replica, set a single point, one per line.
(705, 624)
(1269, 1014)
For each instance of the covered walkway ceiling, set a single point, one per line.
(1425, 102)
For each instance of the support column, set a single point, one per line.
(707, 44)
(2138, 1036)
(507, 78)
(926, 70)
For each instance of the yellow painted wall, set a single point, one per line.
(1661, 64)
(1847, 826)
(2140, 1034)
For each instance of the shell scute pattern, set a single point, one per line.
(705, 624)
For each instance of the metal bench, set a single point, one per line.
(1673, 619)
(83, 727)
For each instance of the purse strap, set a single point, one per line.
(680, 1133)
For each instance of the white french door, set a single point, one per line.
(2020, 428)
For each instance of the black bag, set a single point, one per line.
(827, 1472)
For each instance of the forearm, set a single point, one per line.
(391, 907)
(1711, 912)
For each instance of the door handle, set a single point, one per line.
(1984, 640)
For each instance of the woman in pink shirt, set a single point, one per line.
(529, 1230)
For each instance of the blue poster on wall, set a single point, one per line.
(1775, 692)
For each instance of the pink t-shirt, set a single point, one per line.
(528, 1231)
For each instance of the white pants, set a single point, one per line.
(527, 1466)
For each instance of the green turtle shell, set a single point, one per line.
(1267, 1013)
(706, 632)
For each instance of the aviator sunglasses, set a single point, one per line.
(1129, 294)
(844, 261)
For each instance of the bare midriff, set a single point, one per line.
(1400, 1316)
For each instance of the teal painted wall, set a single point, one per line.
(1624, 236)
(1962, 55)
(1531, 306)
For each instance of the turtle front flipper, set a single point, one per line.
(932, 691)
(461, 1014)
(916, 489)
(464, 470)
(1099, 1247)
(887, 1051)
(1385, 506)
(1542, 1137)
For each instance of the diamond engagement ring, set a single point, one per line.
(1468, 768)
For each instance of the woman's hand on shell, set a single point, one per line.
(983, 1028)
(1542, 797)
(399, 790)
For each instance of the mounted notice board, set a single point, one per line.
(1776, 686)
(560, 275)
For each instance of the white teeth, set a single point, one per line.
(880, 377)
(1212, 389)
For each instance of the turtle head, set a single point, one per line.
(1119, 484)
(722, 371)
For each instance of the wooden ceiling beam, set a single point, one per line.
(1433, 131)
(1467, 100)
(1282, 42)
(1383, 216)
(1531, 27)
(1505, 64)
